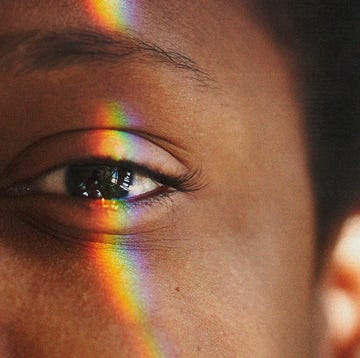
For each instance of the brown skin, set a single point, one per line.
(235, 277)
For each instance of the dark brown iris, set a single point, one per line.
(98, 181)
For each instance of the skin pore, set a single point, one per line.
(224, 270)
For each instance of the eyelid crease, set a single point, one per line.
(155, 139)
(102, 144)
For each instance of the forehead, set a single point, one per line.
(208, 34)
(15, 13)
(187, 25)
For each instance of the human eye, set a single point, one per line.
(102, 180)
(123, 186)
(99, 181)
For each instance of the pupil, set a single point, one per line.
(98, 181)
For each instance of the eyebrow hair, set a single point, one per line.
(37, 50)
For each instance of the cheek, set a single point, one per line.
(240, 276)
(247, 263)
(72, 299)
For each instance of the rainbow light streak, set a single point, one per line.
(111, 14)
(119, 270)
(112, 114)
(122, 270)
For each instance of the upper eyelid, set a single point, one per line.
(155, 139)
(96, 143)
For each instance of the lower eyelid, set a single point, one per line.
(97, 216)
(72, 239)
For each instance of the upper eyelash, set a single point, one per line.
(179, 182)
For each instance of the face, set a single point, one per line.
(155, 198)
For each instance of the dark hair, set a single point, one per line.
(324, 37)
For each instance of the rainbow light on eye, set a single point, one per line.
(111, 14)
(120, 266)
(112, 115)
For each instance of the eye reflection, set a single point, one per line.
(98, 181)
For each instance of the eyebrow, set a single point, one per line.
(37, 50)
